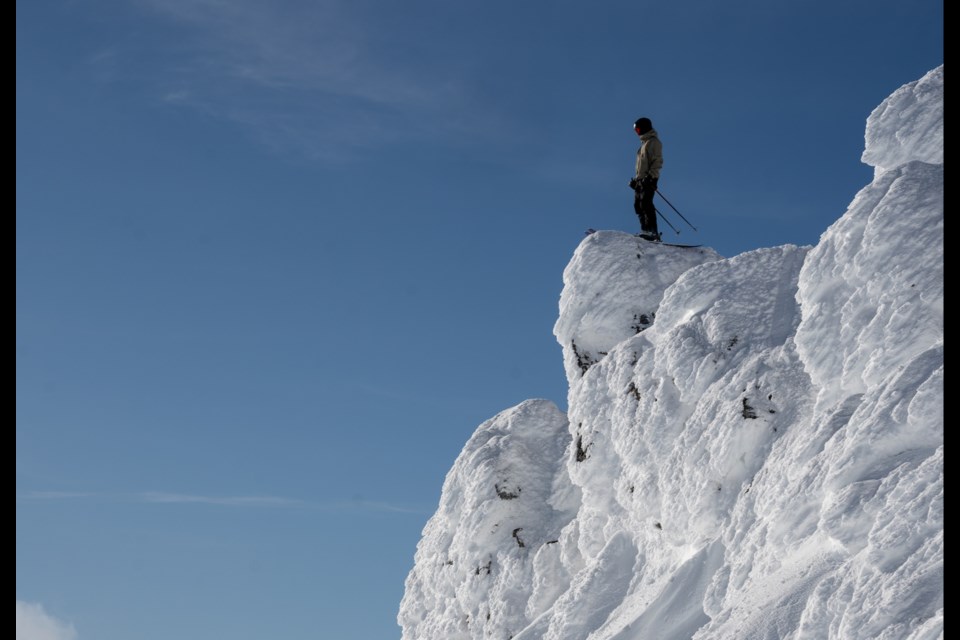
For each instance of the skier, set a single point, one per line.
(644, 183)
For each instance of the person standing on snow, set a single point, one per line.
(644, 183)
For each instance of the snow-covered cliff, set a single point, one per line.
(754, 445)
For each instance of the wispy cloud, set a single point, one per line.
(229, 501)
(318, 45)
(313, 75)
(33, 623)
(56, 495)
(254, 501)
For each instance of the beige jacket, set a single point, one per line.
(649, 156)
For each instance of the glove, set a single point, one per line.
(633, 183)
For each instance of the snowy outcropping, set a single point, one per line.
(753, 447)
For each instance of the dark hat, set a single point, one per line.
(643, 125)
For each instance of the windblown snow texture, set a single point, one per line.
(753, 448)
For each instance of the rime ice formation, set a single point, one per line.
(753, 447)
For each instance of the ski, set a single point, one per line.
(682, 246)
(666, 244)
(670, 244)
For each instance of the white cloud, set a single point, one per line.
(33, 623)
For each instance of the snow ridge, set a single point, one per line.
(753, 447)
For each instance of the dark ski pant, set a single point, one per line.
(643, 205)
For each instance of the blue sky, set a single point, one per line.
(276, 261)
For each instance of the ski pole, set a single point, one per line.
(675, 209)
(667, 221)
